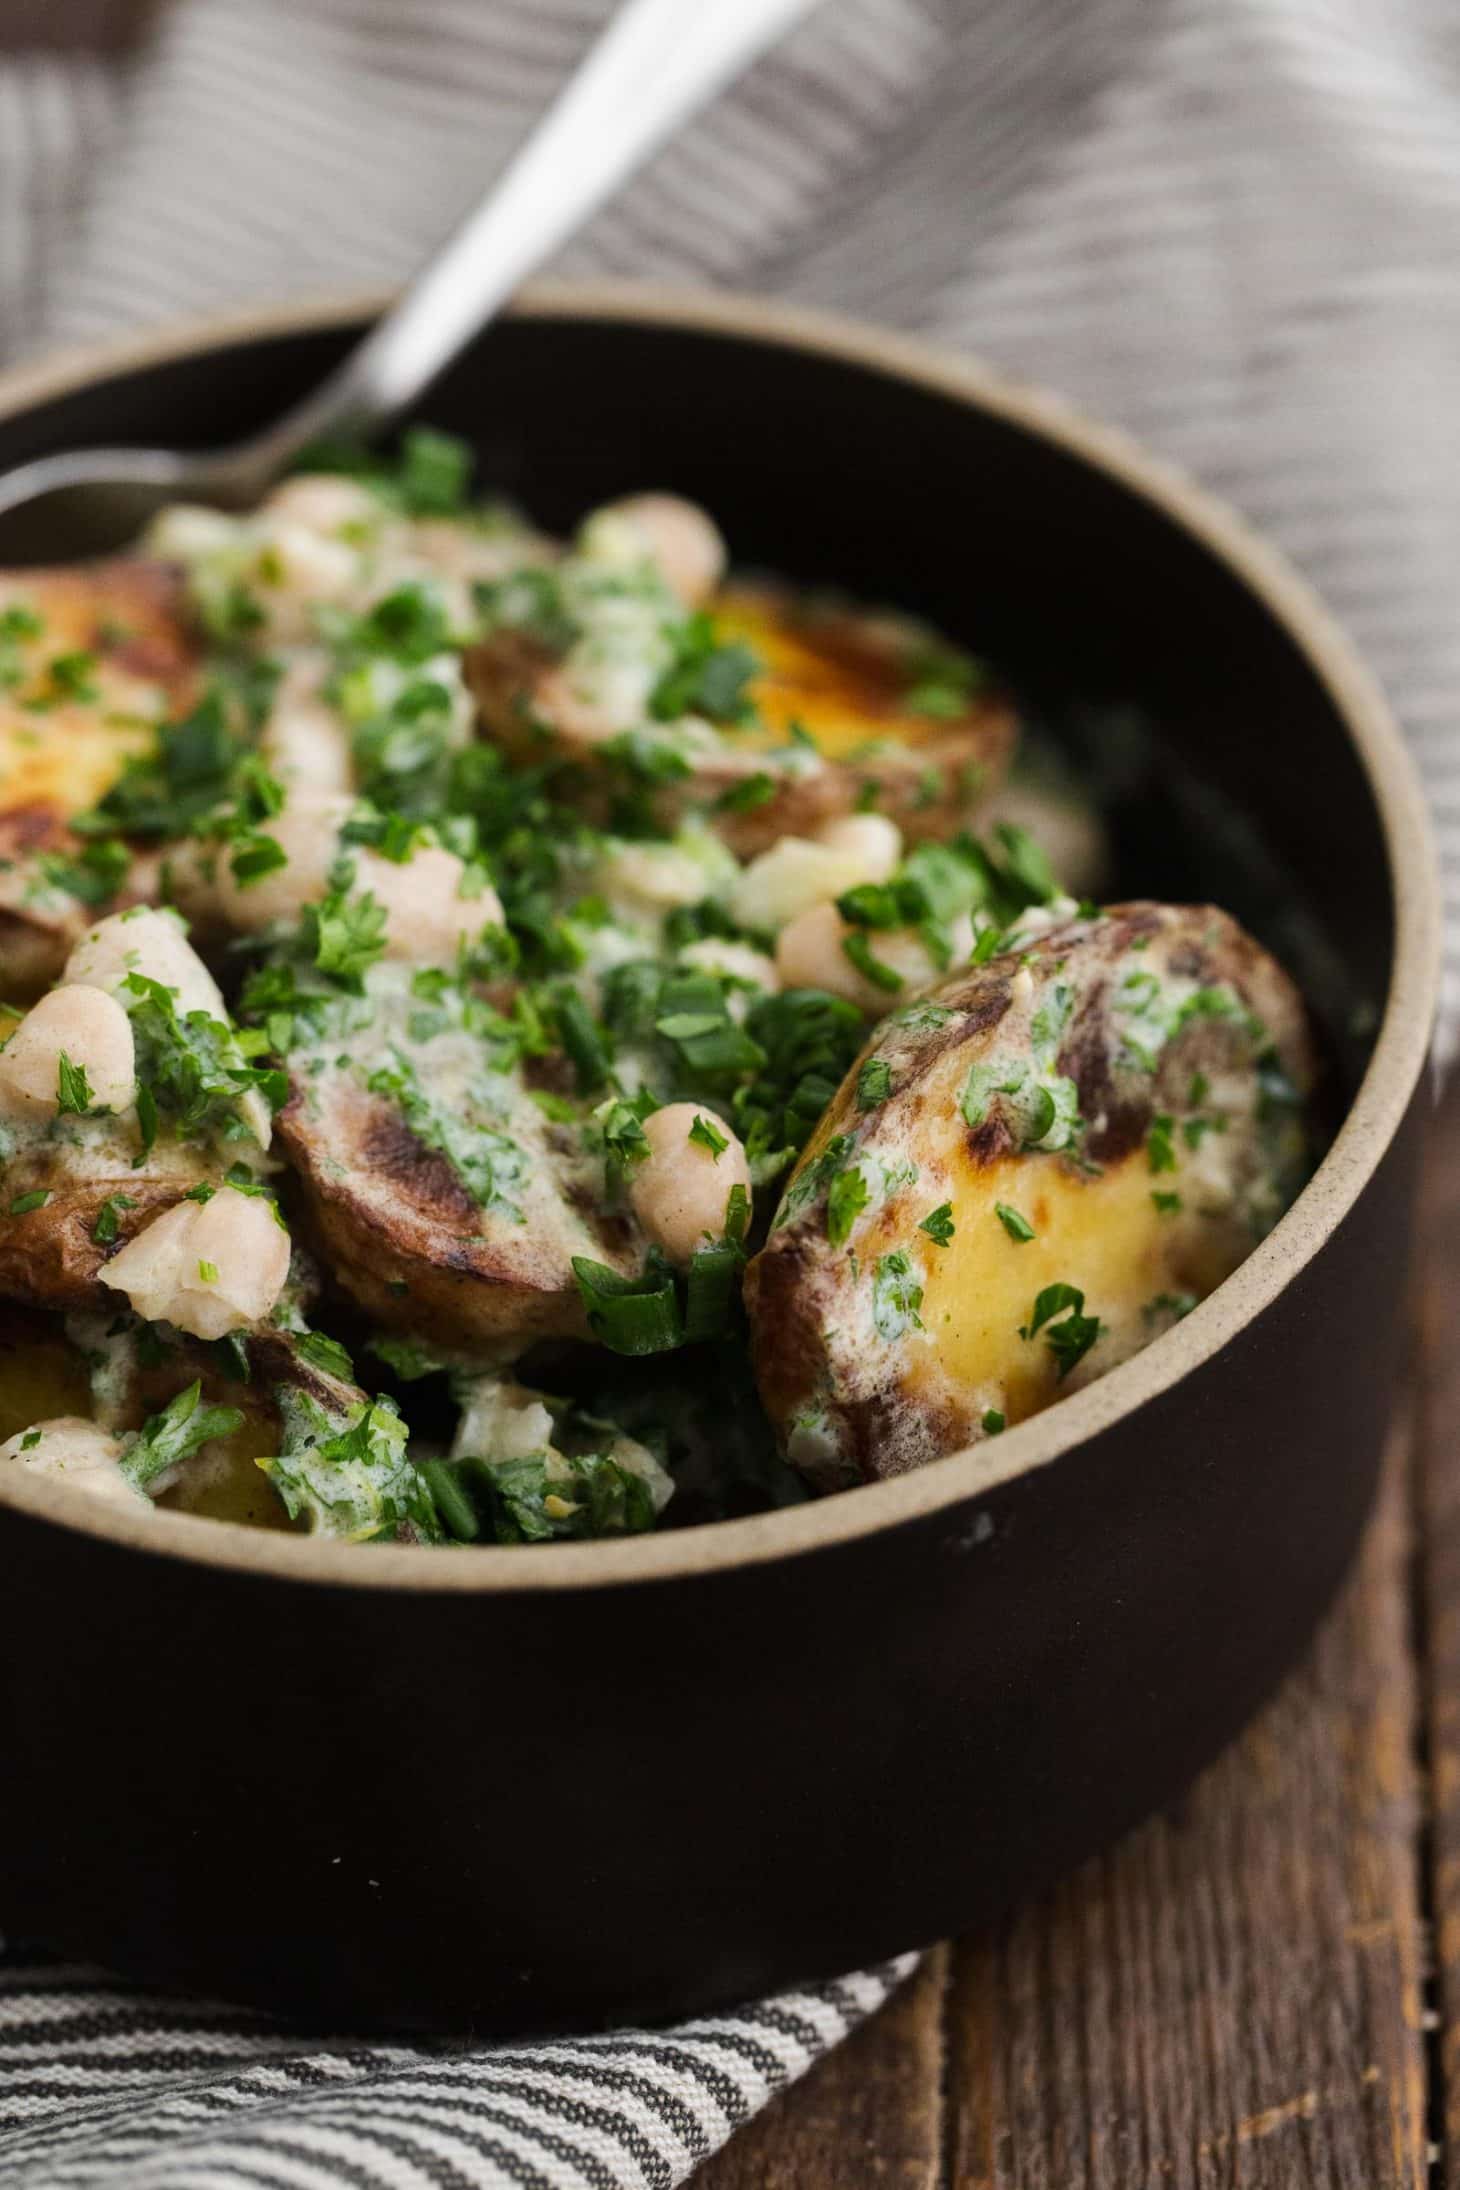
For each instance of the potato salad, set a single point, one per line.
(507, 1037)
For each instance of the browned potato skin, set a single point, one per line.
(48, 1257)
(399, 1231)
(797, 1288)
(833, 670)
(131, 616)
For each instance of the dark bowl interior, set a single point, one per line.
(756, 1774)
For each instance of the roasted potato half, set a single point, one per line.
(50, 1256)
(450, 1209)
(848, 709)
(1026, 1177)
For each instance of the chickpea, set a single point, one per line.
(304, 742)
(308, 834)
(82, 1453)
(321, 501)
(209, 1267)
(799, 872)
(426, 916)
(667, 531)
(86, 1027)
(680, 1190)
(148, 941)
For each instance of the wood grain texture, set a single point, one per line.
(1233, 1995)
(869, 2114)
(1437, 1492)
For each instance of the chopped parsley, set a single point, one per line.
(707, 1135)
(874, 1083)
(1068, 1340)
(165, 1440)
(1160, 1143)
(938, 1224)
(1017, 1226)
(74, 1097)
(705, 676)
(106, 1229)
(896, 1296)
(846, 1198)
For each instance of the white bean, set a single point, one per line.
(82, 1453)
(89, 1029)
(810, 954)
(305, 571)
(680, 1190)
(209, 1267)
(871, 838)
(735, 961)
(669, 532)
(308, 834)
(322, 501)
(800, 871)
(152, 942)
(304, 742)
(426, 917)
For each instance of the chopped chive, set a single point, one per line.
(106, 1228)
(24, 1203)
(629, 1315)
(457, 1512)
(859, 951)
(710, 1291)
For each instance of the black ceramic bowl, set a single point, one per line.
(581, 1783)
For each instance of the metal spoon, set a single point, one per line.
(656, 63)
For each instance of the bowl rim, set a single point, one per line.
(1373, 1117)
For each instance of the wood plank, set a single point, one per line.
(1233, 1996)
(1438, 1503)
(868, 2114)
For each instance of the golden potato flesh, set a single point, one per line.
(91, 660)
(849, 710)
(1027, 1176)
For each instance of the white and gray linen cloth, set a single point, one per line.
(1233, 226)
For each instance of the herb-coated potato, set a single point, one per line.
(1028, 1175)
(471, 1258)
(840, 710)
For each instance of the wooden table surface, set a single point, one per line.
(1260, 1989)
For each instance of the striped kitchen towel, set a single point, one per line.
(1229, 225)
(106, 2088)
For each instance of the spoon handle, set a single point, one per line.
(655, 64)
